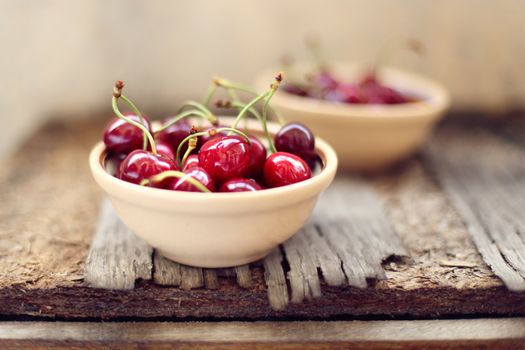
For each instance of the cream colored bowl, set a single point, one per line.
(215, 229)
(367, 137)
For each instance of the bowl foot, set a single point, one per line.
(215, 262)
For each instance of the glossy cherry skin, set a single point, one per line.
(257, 157)
(297, 139)
(122, 137)
(225, 157)
(174, 134)
(282, 168)
(205, 138)
(198, 174)
(112, 163)
(165, 149)
(140, 165)
(240, 185)
(191, 162)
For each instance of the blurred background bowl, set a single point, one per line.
(367, 137)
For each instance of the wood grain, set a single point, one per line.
(117, 257)
(437, 334)
(485, 178)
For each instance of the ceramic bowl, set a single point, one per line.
(215, 229)
(368, 137)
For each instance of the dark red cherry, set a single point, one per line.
(122, 137)
(295, 90)
(282, 168)
(297, 139)
(240, 185)
(258, 157)
(191, 162)
(373, 92)
(112, 163)
(345, 93)
(198, 174)
(165, 149)
(225, 157)
(174, 134)
(205, 138)
(140, 165)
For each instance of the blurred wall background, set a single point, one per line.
(61, 57)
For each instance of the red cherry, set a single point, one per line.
(282, 168)
(174, 134)
(225, 157)
(240, 185)
(165, 149)
(112, 163)
(198, 174)
(297, 139)
(295, 90)
(257, 159)
(191, 162)
(324, 80)
(205, 138)
(140, 165)
(121, 137)
(373, 92)
(346, 93)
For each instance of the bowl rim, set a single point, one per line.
(314, 185)
(438, 97)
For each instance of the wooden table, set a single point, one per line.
(448, 231)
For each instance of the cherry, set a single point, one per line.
(324, 80)
(297, 139)
(257, 159)
(140, 165)
(345, 93)
(282, 168)
(296, 90)
(191, 162)
(164, 149)
(112, 163)
(122, 137)
(209, 136)
(198, 174)
(174, 134)
(240, 185)
(225, 157)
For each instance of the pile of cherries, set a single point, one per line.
(324, 85)
(215, 158)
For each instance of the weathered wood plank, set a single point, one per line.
(435, 334)
(166, 272)
(485, 178)
(211, 281)
(275, 280)
(351, 219)
(244, 276)
(117, 257)
(192, 277)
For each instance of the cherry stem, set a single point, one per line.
(275, 86)
(183, 142)
(117, 93)
(247, 107)
(185, 114)
(209, 95)
(176, 174)
(195, 105)
(192, 144)
(230, 86)
(139, 114)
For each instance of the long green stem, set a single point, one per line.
(209, 95)
(247, 107)
(183, 142)
(114, 103)
(185, 114)
(265, 117)
(195, 105)
(139, 115)
(177, 174)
